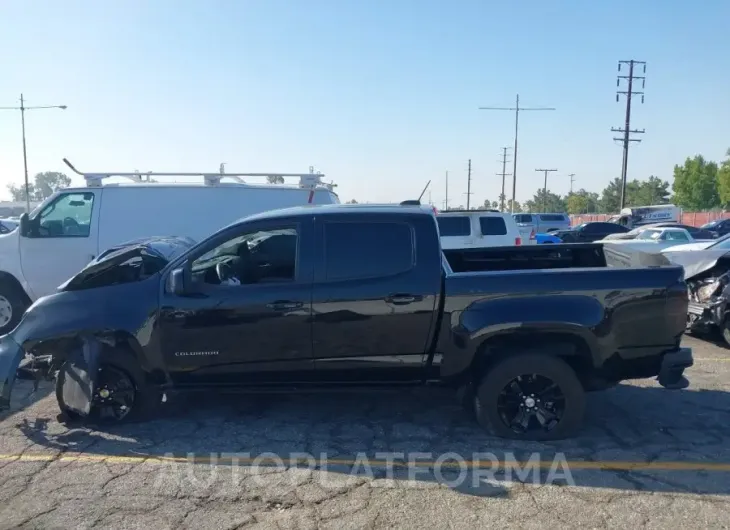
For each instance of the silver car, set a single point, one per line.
(542, 223)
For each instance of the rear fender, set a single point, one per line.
(525, 322)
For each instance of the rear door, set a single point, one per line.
(377, 283)
(494, 232)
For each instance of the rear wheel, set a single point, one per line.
(530, 397)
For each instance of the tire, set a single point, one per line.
(121, 363)
(489, 397)
(725, 330)
(13, 303)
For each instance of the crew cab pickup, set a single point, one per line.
(355, 296)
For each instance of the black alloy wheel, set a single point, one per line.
(530, 396)
(114, 396)
(531, 402)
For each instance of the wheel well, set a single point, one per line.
(8, 279)
(571, 348)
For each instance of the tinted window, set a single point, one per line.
(362, 250)
(492, 226)
(522, 218)
(604, 228)
(454, 225)
(552, 217)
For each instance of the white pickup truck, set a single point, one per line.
(654, 240)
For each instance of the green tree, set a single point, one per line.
(275, 179)
(508, 206)
(723, 180)
(647, 192)
(696, 185)
(43, 185)
(581, 201)
(352, 201)
(545, 202)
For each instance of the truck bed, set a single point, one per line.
(562, 256)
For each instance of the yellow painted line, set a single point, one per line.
(474, 464)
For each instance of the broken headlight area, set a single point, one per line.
(708, 300)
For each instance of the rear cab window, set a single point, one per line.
(367, 249)
(454, 225)
(492, 226)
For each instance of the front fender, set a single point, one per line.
(82, 315)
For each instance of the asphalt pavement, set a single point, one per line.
(646, 457)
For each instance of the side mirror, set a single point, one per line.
(24, 225)
(176, 283)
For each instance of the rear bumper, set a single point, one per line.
(11, 353)
(674, 363)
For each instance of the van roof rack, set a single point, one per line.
(309, 180)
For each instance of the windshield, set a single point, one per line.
(721, 244)
(650, 234)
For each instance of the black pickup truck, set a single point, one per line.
(355, 295)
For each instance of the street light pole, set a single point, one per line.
(22, 110)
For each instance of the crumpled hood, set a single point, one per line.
(696, 262)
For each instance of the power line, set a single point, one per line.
(468, 185)
(503, 174)
(627, 131)
(544, 189)
(517, 110)
(572, 179)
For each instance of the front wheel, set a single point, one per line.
(119, 394)
(531, 397)
(13, 303)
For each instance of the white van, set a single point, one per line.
(74, 225)
(478, 229)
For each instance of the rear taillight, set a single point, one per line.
(435, 210)
(532, 235)
(518, 241)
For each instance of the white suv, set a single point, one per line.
(478, 229)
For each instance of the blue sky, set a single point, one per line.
(379, 95)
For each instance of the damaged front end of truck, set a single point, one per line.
(106, 306)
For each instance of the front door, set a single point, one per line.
(248, 319)
(62, 240)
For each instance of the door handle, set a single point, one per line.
(403, 299)
(284, 305)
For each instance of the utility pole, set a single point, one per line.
(627, 131)
(544, 189)
(468, 185)
(504, 174)
(22, 110)
(572, 179)
(517, 110)
(446, 200)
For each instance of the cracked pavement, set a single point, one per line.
(58, 476)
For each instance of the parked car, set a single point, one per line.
(655, 240)
(8, 225)
(696, 233)
(74, 225)
(719, 228)
(478, 229)
(355, 296)
(547, 239)
(588, 232)
(707, 272)
(540, 223)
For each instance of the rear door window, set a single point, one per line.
(552, 217)
(522, 218)
(492, 226)
(454, 225)
(367, 249)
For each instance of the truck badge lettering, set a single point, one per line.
(195, 353)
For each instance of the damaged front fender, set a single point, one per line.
(11, 353)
